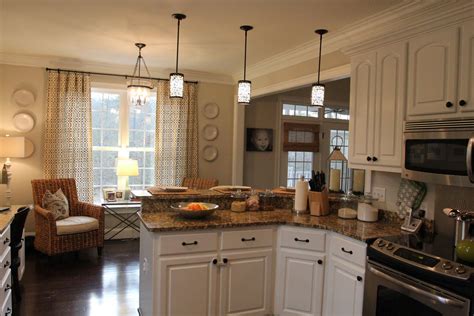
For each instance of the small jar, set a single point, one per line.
(239, 203)
(365, 210)
(347, 206)
(267, 199)
(253, 203)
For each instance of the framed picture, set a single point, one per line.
(259, 139)
(120, 195)
(111, 197)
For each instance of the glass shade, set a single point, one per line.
(244, 91)
(317, 95)
(176, 85)
(138, 91)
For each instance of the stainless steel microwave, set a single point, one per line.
(439, 152)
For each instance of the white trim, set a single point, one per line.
(329, 74)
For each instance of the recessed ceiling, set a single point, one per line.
(211, 41)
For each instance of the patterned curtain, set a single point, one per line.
(67, 145)
(176, 145)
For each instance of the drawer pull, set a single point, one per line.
(9, 311)
(6, 264)
(6, 241)
(301, 240)
(248, 239)
(8, 287)
(347, 251)
(189, 243)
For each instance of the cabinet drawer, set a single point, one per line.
(5, 286)
(5, 261)
(303, 239)
(243, 239)
(348, 250)
(5, 239)
(188, 243)
(7, 308)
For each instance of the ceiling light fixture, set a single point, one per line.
(245, 86)
(176, 78)
(139, 88)
(317, 90)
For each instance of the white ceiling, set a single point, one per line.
(211, 41)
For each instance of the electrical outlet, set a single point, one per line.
(379, 194)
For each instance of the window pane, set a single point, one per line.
(288, 109)
(299, 156)
(149, 159)
(109, 177)
(313, 112)
(109, 159)
(336, 113)
(110, 138)
(301, 110)
(138, 155)
(291, 155)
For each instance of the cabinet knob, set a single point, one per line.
(359, 278)
(462, 102)
(320, 261)
(225, 260)
(369, 158)
(449, 104)
(6, 241)
(214, 261)
(6, 264)
(375, 158)
(8, 287)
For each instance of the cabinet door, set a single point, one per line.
(344, 289)
(188, 285)
(362, 103)
(390, 104)
(246, 283)
(299, 283)
(432, 73)
(466, 68)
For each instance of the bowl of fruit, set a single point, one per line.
(194, 210)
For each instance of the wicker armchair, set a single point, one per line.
(47, 240)
(199, 183)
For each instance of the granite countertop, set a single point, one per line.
(169, 221)
(6, 218)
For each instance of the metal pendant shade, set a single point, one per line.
(139, 88)
(244, 86)
(317, 90)
(176, 78)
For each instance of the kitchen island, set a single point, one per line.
(251, 263)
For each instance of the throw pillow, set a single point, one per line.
(56, 203)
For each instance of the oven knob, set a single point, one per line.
(390, 246)
(460, 269)
(381, 243)
(447, 265)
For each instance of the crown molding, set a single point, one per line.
(396, 22)
(82, 65)
(335, 73)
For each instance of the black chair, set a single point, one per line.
(16, 232)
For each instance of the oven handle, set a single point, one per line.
(469, 159)
(429, 295)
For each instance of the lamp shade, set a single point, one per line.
(12, 147)
(244, 91)
(317, 95)
(127, 167)
(176, 85)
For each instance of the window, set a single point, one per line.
(114, 126)
(336, 114)
(340, 138)
(300, 163)
(300, 110)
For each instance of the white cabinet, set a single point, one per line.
(344, 289)
(299, 282)
(377, 108)
(246, 283)
(188, 285)
(466, 84)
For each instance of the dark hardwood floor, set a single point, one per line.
(82, 285)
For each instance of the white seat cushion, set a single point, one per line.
(76, 224)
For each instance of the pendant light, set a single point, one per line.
(245, 86)
(317, 90)
(139, 88)
(176, 78)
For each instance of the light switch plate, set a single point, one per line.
(379, 193)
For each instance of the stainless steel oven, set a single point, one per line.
(439, 152)
(389, 292)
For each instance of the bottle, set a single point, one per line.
(301, 196)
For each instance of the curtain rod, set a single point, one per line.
(108, 74)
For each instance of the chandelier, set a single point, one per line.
(139, 88)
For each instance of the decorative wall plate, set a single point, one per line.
(210, 153)
(210, 132)
(30, 148)
(23, 97)
(23, 122)
(211, 110)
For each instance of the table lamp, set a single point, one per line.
(10, 147)
(125, 169)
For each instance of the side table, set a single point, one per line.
(125, 220)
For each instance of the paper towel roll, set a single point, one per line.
(335, 180)
(301, 195)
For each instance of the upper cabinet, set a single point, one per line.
(440, 73)
(377, 108)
